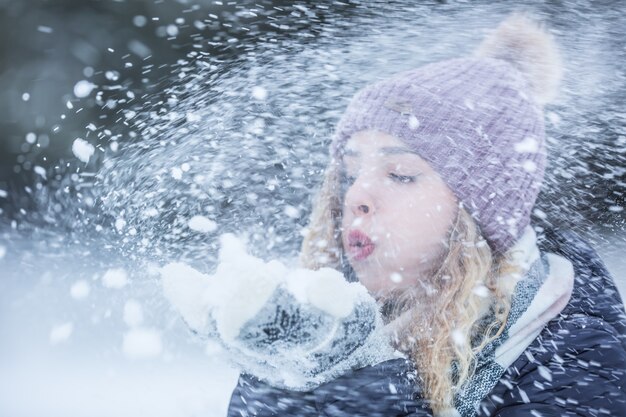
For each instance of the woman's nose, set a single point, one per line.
(362, 208)
(359, 201)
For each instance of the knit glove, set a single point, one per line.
(292, 328)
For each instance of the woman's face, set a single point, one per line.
(397, 213)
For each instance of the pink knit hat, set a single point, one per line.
(478, 121)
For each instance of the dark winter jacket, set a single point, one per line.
(575, 367)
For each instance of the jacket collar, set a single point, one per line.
(552, 295)
(542, 286)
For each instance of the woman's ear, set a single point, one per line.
(321, 246)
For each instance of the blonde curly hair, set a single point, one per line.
(466, 307)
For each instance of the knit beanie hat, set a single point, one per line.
(478, 121)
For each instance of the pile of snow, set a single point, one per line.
(242, 284)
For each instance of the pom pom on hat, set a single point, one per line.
(531, 50)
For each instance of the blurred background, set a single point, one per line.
(224, 110)
(58, 52)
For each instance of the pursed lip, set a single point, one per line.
(360, 246)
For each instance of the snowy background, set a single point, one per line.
(132, 133)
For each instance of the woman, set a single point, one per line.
(426, 202)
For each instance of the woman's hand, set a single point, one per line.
(292, 327)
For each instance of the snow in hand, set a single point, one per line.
(288, 326)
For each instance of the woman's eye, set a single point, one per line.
(402, 178)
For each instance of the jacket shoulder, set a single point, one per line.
(576, 365)
(595, 293)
